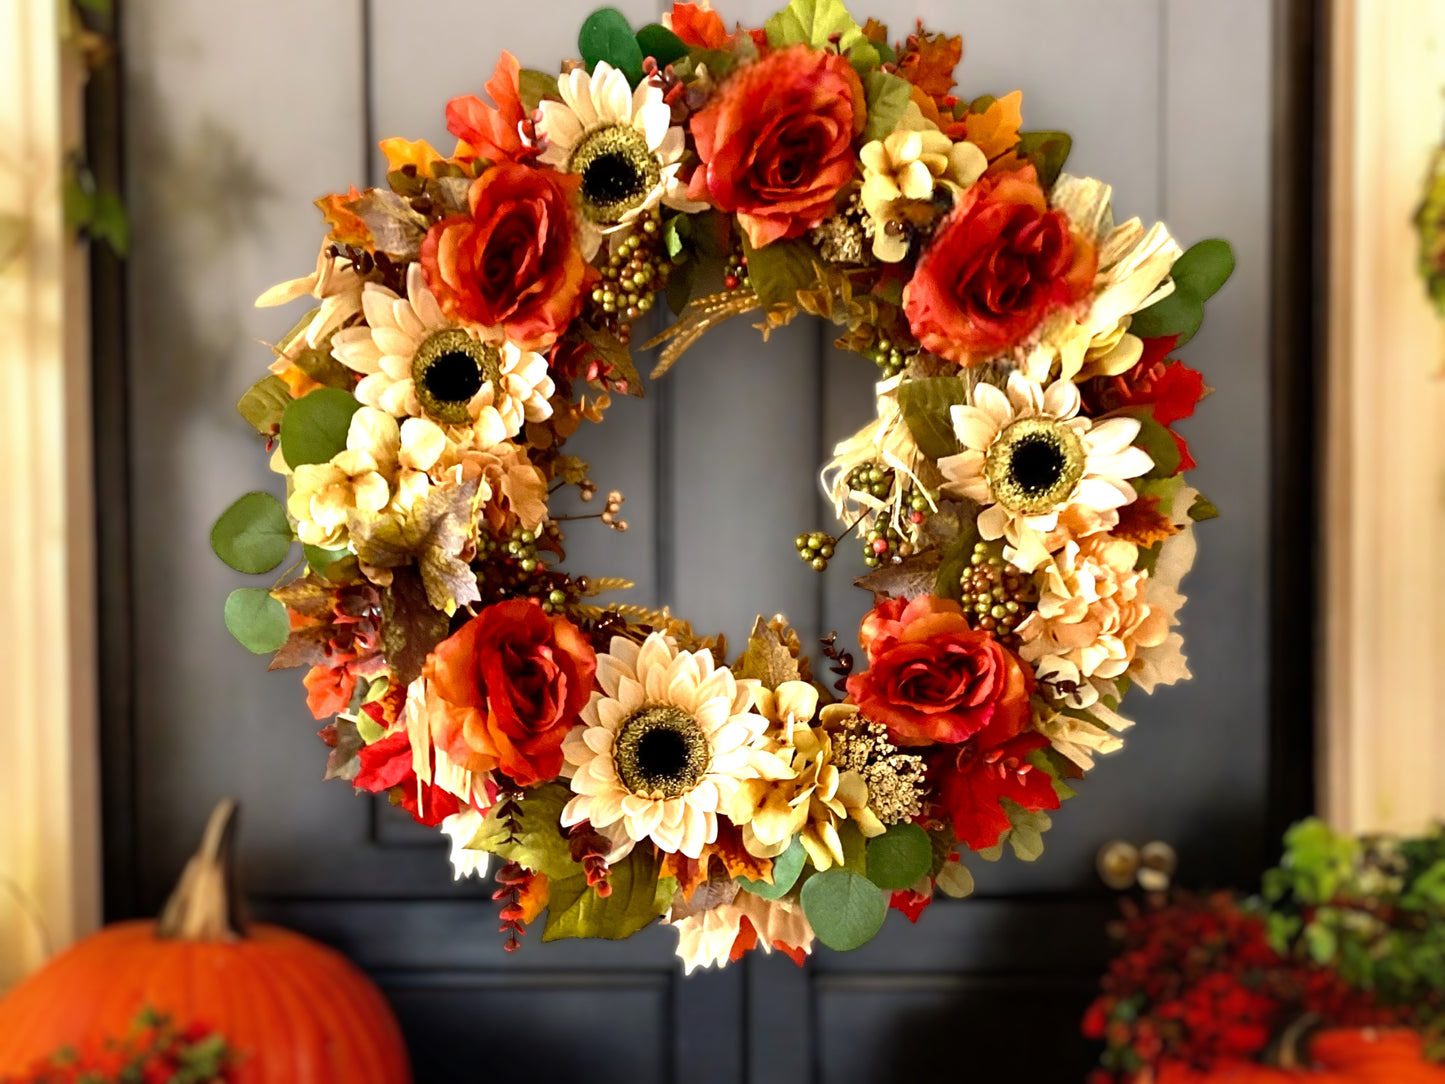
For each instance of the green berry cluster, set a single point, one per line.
(888, 357)
(815, 549)
(884, 543)
(995, 596)
(873, 479)
(631, 276)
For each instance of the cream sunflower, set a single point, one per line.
(623, 145)
(417, 363)
(1028, 455)
(663, 747)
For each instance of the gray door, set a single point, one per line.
(236, 116)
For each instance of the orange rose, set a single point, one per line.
(512, 681)
(931, 678)
(777, 143)
(515, 261)
(998, 264)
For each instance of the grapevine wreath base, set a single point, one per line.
(1018, 497)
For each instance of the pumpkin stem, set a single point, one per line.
(203, 905)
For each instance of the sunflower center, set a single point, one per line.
(1034, 465)
(618, 173)
(661, 752)
(448, 370)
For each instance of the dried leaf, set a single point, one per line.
(345, 741)
(911, 577)
(395, 228)
(928, 61)
(995, 130)
(310, 596)
(616, 355)
(306, 646)
(1142, 523)
(431, 533)
(597, 585)
(264, 403)
(703, 893)
(767, 658)
(534, 897)
(347, 227)
(411, 627)
(701, 315)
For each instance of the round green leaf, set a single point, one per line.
(322, 559)
(607, 35)
(899, 857)
(786, 868)
(253, 535)
(844, 908)
(313, 429)
(660, 43)
(1204, 268)
(1178, 314)
(257, 620)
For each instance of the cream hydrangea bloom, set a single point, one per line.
(323, 496)
(416, 362)
(1092, 618)
(809, 796)
(663, 747)
(1029, 454)
(621, 142)
(706, 939)
(907, 165)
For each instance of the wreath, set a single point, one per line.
(1018, 496)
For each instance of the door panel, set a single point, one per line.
(237, 116)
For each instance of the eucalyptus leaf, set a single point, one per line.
(1178, 314)
(927, 404)
(888, 97)
(257, 621)
(955, 880)
(1204, 268)
(786, 868)
(1048, 151)
(607, 35)
(322, 559)
(313, 428)
(844, 908)
(253, 535)
(1159, 442)
(660, 43)
(899, 857)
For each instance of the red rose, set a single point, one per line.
(777, 143)
(1000, 262)
(515, 261)
(512, 680)
(931, 678)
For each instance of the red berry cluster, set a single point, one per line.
(1198, 984)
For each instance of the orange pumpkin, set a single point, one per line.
(296, 1012)
(1344, 1056)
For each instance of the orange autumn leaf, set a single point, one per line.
(297, 382)
(699, 27)
(727, 850)
(928, 61)
(346, 227)
(532, 899)
(1143, 524)
(691, 873)
(875, 31)
(407, 152)
(995, 131)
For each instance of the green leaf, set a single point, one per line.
(1203, 268)
(899, 857)
(865, 58)
(607, 35)
(786, 868)
(638, 896)
(1026, 834)
(927, 405)
(1178, 314)
(676, 236)
(1321, 942)
(844, 908)
(322, 559)
(955, 880)
(535, 87)
(257, 621)
(1159, 443)
(109, 223)
(855, 847)
(541, 844)
(253, 535)
(778, 271)
(888, 97)
(1202, 509)
(660, 43)
(264, 403)
(313, 428)
(1048, 151)
(956, 557)
(814, 22)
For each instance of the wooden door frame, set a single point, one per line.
(1299, 268)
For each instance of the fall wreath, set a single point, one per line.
(1018, 496)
